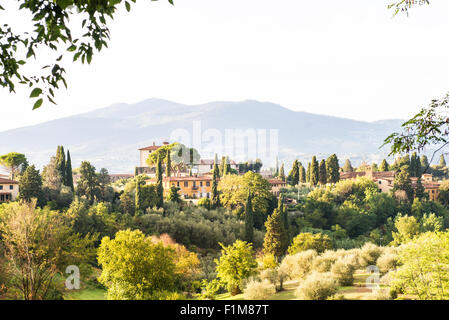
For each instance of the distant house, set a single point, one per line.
(144, 168)
(385, 181)
(9, 190)
(189, 186)
(277, 185)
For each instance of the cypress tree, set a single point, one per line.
(332, 169)
(60, 162)
(322, 173)
(348, 166)
(413, 165)
(159, 186)
(418, 168)
(215, 201)
(302, 173)
(424, 164)
(68, 172)
(294, 173)
(168, 165)
(442, 162)
(384, 166)
(249, 219)
(138, 197)
(284, 213)
(281, 173)
(276, 238)
(30, 186)
(419, 191)
(314, 172)
(308, 173)
(225, 166)
(222, 166)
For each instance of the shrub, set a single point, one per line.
(369, 254)
(343, 271)
(209, 289)
(307, 241)
(259, 290)
(299, 265)
(323, 262)
(204, 202)
(317, 286)
(276, 276)
(388, 261)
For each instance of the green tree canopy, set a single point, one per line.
(134, 268)
(236, 264)
(13, 162)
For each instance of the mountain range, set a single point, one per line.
(110, 137)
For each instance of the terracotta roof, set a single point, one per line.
(151, 148)
(376, 174)
(276, 181)
(384, 174)
(184, 178)
(7, 181)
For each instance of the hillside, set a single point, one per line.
(109, 137)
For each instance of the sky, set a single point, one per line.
(347, 58)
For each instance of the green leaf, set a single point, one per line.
(128, 6)
(36, 92)
(38, 104)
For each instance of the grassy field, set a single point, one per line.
(86, 294)
(358, 291)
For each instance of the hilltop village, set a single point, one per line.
(205, 218)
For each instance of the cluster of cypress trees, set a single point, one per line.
(64, 166)
(325, 171)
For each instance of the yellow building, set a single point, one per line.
(190, 187)
(9, 190)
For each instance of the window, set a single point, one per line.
(186, 183)
(194, 183)
(11, 187)
(207, 184)
(177, 184)
(380, 182)
(1, 187)
(201, 183)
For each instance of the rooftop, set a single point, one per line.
(8, 181)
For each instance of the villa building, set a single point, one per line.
(385, 181)
(9, 190)
(277, 185)
(189, 186)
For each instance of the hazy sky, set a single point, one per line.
(346, 58)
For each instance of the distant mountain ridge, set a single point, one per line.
(109, 137)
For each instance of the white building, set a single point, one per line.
(9, 190)
(145, 152)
